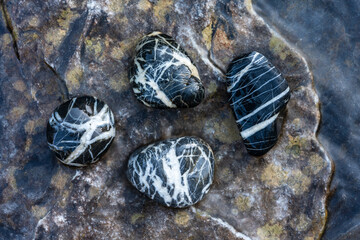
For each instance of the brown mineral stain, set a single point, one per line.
(273, 175)
(298, 182)
(136, 218)
(212, 88)
(39, 212)
(93, 192)
(243, 203)
(221, 41)
(117, 53)
(270, 231)
(19, 85)
(161, 8)
(73, 77)
(207, 35)
(16, 113)
(30, 126)
(182, 218)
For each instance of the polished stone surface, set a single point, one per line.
(88, 48)
(258, 94)
(80, 131)
(176, 172)
(163, 75)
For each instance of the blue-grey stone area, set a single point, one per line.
(258, 95)
(175, 172)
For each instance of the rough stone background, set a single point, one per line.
(50, 50)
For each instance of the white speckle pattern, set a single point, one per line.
(175, 172)
(80, 130)
(163, 76)
(258, 95)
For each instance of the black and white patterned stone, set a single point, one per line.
(163, 75)
(258, 95)
(175, 172)
(80, 130)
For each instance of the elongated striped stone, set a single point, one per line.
(80, 130)
(175, 172)
(258, 95)
(163, 75)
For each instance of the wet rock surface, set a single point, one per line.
(72, 48)
(258, 95)
(176, 172)
(163, 75)
(80, 131)
(328, 35)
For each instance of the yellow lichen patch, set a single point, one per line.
(225, 129)
(144, 5)
(298, 182)
(38, 212)
(65, 18)
(301, 223)
(273, 175)
(243, 203)
(207, 35)
(182, 218)
(136, 217)
(270, 232)
(248, 5)
(54, 36)
(30, 126)
(117, 53)
(279, 47)
(212, 88)
(225, 174)
(28, 144)
(60, 179)
(34, 22)
(19, 85)
(73, 77)
(316, 163)
(161, 8)
(63, 200)
(117, 6)
(296, 146)
(16, 113)
(119, 82)
(6, 39)
(94, 47)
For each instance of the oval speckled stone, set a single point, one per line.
(175, 172)
(80, 130)
(163, 75)
(258, 95)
